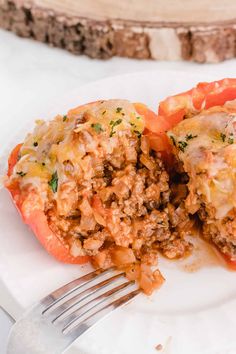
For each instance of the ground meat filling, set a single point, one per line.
(127, 216)
(138, 200)
(220, 232)
(105, 193)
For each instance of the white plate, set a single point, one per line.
(193, 313)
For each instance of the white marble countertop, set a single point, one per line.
(31, 72)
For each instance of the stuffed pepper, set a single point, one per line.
(92, 186)
(203, 138)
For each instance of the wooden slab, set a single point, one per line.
(198, 30)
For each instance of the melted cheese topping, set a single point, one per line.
(54, 143)
(206, 146)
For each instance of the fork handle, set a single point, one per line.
(32, 335)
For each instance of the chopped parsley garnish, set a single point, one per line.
(135, 130)
(64, 118)
(231, 139)
(118, 109)
(223, 136)
(173, 140)
(21, 173)
(35, 143)
(117, 122)
(138, 117)
(103, 112)
(138, 133)
(113, 125)
(182, 145)
(97, 127)
(53, 183)
(190, 136)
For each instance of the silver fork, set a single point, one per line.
(53, 324)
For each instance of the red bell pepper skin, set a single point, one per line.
(205, 95)
(37, 221)
(155, 129)
(172, 110)
(231, 263)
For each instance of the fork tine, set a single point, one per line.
(81, 311)
(89, 321)
(55, 337)
(75, 300)
(69, 288)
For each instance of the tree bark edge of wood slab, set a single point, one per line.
(103, 39)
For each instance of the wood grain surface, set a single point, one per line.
(198, 30)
